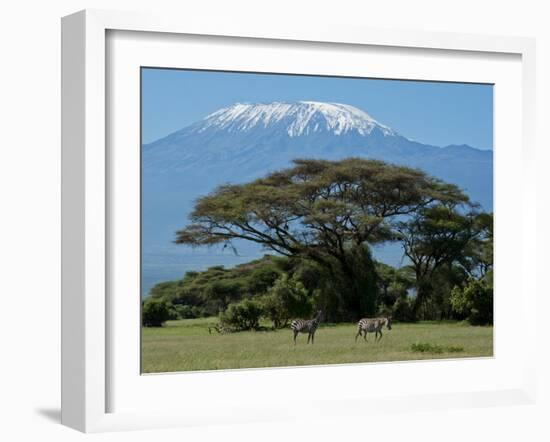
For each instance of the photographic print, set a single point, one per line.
(291, 220)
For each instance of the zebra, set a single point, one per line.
(305, 326)
(221, 329)
(372, 325)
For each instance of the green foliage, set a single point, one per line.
(309, 273)
(184, 311)
(437, 290)
(262, 278)
(360, 284)
(478, 257)
(328, 212)
(287, 299)
(474, 302)
(224, 291)
(322, 218)
(403, 310)
(433, 238)
(426, 347)
(356, 196)
(208, 292)
(393, 283)
(244, 315)
(155, 312)
(167, 290)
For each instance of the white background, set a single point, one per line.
(30, 221)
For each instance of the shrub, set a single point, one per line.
(155, 312)
(474, 302)
(426, 347)
(287, 299)
(262, 278)
(309, 274)
(184, 311)
(167, 290)
(173, 313)
(243, 315)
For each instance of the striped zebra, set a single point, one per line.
(221, 329)
(305, 326)
(372, 325)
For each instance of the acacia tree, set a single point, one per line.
(328, 212)
(393, 283)
(478, 257)
(435, 236)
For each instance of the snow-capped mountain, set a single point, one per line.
(245, 141)
(296, 119)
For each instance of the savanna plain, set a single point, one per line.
(187, 345)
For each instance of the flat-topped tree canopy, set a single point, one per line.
(325, 211)
(315, 207)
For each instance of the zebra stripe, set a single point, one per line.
(372, 325)
(221, 329)
(306, 326)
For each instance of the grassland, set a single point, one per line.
(187, 345)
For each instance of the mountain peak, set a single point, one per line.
(296, 118)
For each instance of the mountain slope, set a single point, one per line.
(245, 141)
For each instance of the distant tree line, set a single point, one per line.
(321, 219)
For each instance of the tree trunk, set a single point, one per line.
(359, 270)
(422, 292)
(354, 278)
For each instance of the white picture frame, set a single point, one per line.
(87, 356)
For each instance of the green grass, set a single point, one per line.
(426, 347)
(187, 345)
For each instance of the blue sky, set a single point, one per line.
(429, 112)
